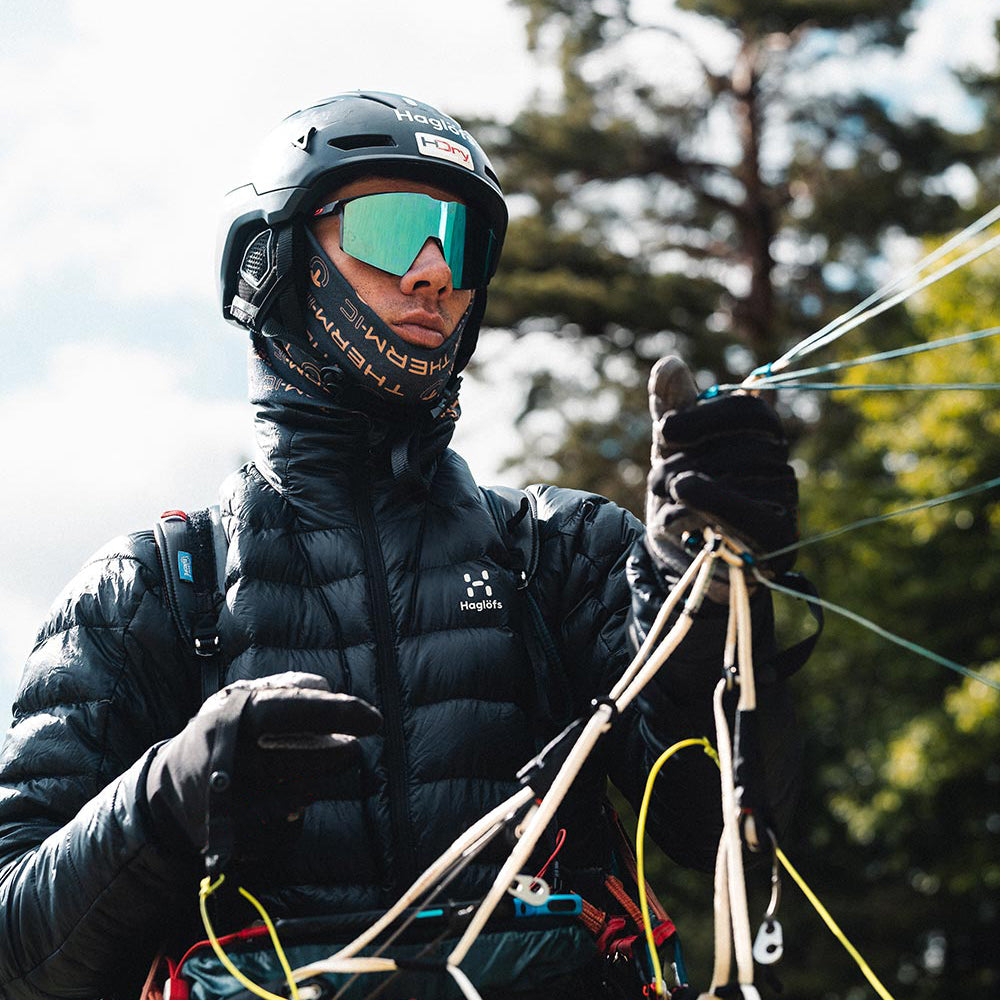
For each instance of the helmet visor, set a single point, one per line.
(388, 231)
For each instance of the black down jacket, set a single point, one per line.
(337, 569)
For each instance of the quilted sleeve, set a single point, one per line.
(85, 889)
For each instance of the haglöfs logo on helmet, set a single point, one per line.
(318, 272)
(444, 149)
(438, 124)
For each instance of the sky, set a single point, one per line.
(121, 126)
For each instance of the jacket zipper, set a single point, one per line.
(387, 672)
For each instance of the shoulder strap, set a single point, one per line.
(515, 514)
(192, 552)
(789, 660)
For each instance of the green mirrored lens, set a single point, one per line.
(451, 233)
(388, 230)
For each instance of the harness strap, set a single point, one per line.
(592, 918)
(789, 660)
(614, 885)
(623, 850)
(192, 551)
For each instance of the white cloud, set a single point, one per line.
(21, 618)
(116, 164)
(105, 442)
(948, 35)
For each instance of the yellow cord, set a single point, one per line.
(206, 889)
(647, 926)
(831, 923)
(640, 832)
(279, 951)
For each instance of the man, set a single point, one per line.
(376, 703)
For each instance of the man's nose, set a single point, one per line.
(428, 272)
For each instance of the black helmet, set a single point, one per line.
(341, 138)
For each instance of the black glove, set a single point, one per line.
(723, 462)
(253, 757)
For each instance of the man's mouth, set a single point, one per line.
(422, 329)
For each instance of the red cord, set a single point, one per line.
(560, 840)
(247, 934)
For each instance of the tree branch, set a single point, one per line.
(717, 82)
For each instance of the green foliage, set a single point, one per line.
(720, 220)
(880, 20)
(905, 753)
(589, 286)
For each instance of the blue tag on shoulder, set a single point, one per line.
(185, 566)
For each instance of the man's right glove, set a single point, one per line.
(253, 757)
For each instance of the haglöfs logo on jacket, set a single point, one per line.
(479, 589)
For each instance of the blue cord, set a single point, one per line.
(913, 647)
(864, 522)
(899, 352)
(871, 386)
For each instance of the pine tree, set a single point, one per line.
(710, 207)
(719, 211)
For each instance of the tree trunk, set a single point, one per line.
(754, 315)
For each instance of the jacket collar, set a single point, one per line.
(312, 448)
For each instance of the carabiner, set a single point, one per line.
(533, 891)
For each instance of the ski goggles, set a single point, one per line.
(389, 229)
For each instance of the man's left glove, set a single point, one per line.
(723, 462)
